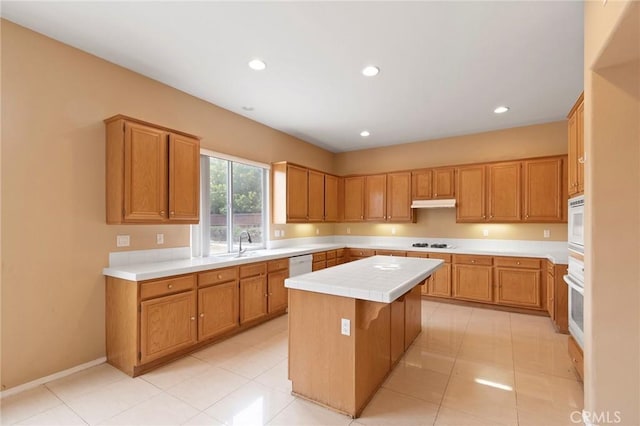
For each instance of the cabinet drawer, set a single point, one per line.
(472, 260)
(277, 265)
(340, 253)
(441, 256)
(391, 253)
(575, 354)
(331, 262)
(517, 262)
(217, 276)
(361, 252)
(317, 257)
(253, 269)
(331, 254)
(421, 254)
(152, 289)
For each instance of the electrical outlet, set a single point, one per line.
(546, 233)
(317, 231)
(282, 232)
(159, 238)
(485, 232)
(346, 327)
(393, 230)
(276, 233)
(348, 230)
(122, 241)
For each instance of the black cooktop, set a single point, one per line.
(433, 245)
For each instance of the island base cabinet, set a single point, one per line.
(342, 371)
(167, 324)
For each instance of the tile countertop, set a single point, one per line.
(377, 278)
(152, 270)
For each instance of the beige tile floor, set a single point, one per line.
(468, 367)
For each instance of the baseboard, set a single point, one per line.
(54, 376)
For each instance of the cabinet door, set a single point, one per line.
(444, 183)
(297, 193)
(504, 192)
(399, 197)
(316, 196)
(422, 184)
(278, 293)
(412, 315)
(330, 198)
(253, 298)
(573, 154)
(375, 191)
(184, 179)
(167, 324)
(440, 284)
(544, 199)
(580, 148)
(518, 287)
(472, 283)
(354, 199)
(551, 309)
(470, 194)
(145, 174)
(218, 309)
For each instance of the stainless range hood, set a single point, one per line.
(433, 204)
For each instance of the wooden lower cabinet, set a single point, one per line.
(471, 282)
(518, 287)
(278, 293)
(558, 297)
(218, 309)
(412, 315)
(440, 282)
(577, 356)
(253, 298)
(167, 324)
(397, 329)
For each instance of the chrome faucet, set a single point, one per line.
(240, 250)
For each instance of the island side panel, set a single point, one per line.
(373, 349)
(121, 319)
(321, 359)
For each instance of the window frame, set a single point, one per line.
(200, 240)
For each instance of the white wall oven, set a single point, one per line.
(576, 224)
(575, 281)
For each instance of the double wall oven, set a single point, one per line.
(575, 275)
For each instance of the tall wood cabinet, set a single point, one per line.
(331, 198)
(375, 198)
(576, 148)
(315, 194)
(153, 173)
(399, 197)
(354, 198)
(471, 190)
(545, 190)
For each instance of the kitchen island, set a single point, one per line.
(350, 324)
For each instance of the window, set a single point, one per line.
(233, 197)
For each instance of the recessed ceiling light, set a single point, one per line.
(257, 64)
(364, 133)
(247, 108)
(370, 71)
(501, 109)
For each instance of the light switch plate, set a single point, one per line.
(159, 238)
(485, 232)
(346, 327)
(546, 233)
(122, 241)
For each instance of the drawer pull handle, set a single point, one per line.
(170, 286)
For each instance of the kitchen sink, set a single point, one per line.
(235, 255)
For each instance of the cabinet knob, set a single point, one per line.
(266, 295)
(170, 286)
(361, 217)
(435, 195)
(473, 261)
(517, 263)
(219, 276)
(161, 212)
(527, 216)
(193, 318)
(202, 315)
(172, 213)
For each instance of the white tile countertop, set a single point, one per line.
(377, 278)
(151, 264)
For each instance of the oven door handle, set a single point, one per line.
(573, 284)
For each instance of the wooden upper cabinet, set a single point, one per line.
(399, 197)
(433, 183)
(331, 191)
(184, 179)
(470, 190)
(576, 148)
(354, 199)
(375, 197)
(544, 190)
(315, 193)
(152, 173)
(504, 197)
(444, 182)
(297, 193)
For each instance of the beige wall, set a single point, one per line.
(612, 189)
(507, 144)
(55, 241)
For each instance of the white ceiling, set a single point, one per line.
(444, 65)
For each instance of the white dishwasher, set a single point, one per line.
(299, 265)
